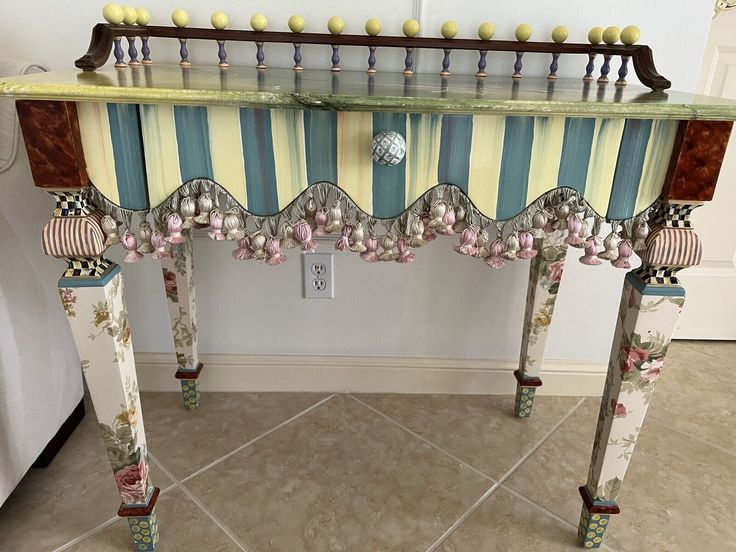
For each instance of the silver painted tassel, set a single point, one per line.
(539, 221)
(562, 211)
(460, 219)
(484, 244)
(512, 247)
(205, 203)
(416, 231)
(258, 244)
(110, 228)
(641, 232)
(231, 226)
(188, 208)
(356, 238)
(144, 235)
(310, 210)
(334, 223)
(437, 212)
(288, 241)
(610, 247)
(388, 242)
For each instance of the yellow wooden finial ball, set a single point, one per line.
(142, 16)
(296, 23)
(611, 35)
(373, 26)
(113, 14)
(595, 35)
(486, 31)
(560, 34)
(448, 29)
(335, 24)
(410, 28)
(180, 18)
(129, 15)
(219, 20)
(258, 22)
(523, 32)
(630, 35)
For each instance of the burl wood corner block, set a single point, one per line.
(696, 160)
(54, 144)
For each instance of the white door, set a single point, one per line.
(710, 309)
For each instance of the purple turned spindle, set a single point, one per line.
(409, 62)
(298, 57)
(605, 69)
(335, 59)
(623, 71)
(132, 52)
(590, 67)
(446, 63)
(482, 64)
(518, 65)
(372, 59)
(222, 54)
(184, 53)
(146, 51)
(260, 56)
(119, 53)
(553, 67)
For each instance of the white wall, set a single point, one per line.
(442, 305)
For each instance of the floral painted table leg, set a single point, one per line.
(545, 274)
(91, 293)
(178, 273)
(650, 306)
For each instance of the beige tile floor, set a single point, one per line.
(312, 472)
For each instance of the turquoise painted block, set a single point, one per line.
(190, 394)
(524, 401)
(591, 528)
(144, 530)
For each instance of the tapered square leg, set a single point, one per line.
(545, 275)
(98, 319)
(178, 275)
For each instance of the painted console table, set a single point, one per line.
(515, 168)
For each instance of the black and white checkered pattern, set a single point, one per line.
(87, 267)
(662, 276)
(677, 215)
(71, 204)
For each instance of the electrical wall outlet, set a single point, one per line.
(319, 275)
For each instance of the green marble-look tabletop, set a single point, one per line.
(358, 91)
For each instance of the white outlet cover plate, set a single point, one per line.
(318, 266)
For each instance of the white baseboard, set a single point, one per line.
(710, 303)
(264, 373)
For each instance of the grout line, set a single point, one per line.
(86, 535)
(504, 477)
(692, 436)
(217, 521)
(255, 440)
(424, 439)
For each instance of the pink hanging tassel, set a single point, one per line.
(495, 260)
(303, 233)
(130, 244)
(321, 218)
(343, 242)
(217, 219)
(174, 226)
(274, 256)
(468, 239)
(371, 246)
(448, 220)
(405, 254)
(574, 226)
(592, 247)
(159, 243)
(243, 252)
(526, 243)
(625, 250)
